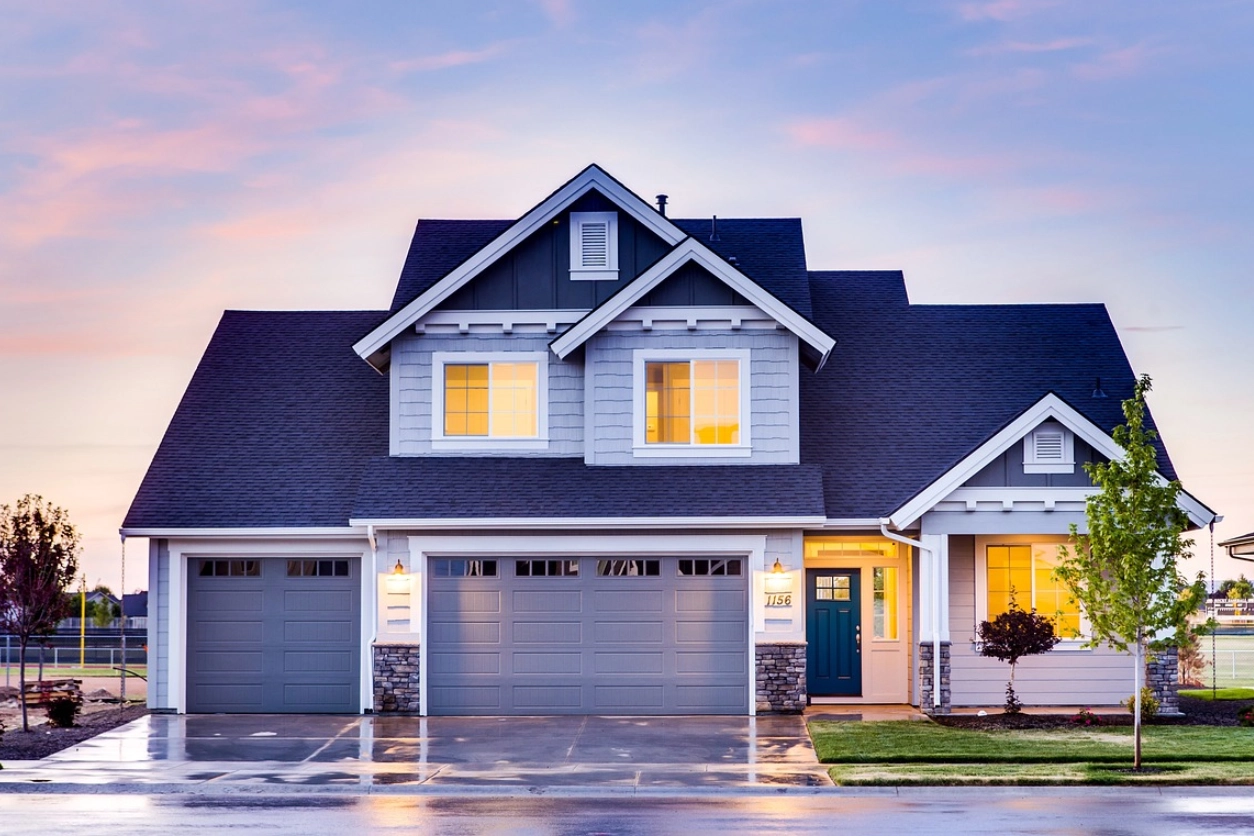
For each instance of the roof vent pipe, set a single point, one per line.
(661, 204)
(714, 228)
(1097, 388)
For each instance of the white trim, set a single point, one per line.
(265, 533)
(692, 318)
(590, 178)
(749, 546)
(1050, 406)
(852, 524)
(642, 449)
(691, 250)
(592, 523)
(1016, 499)
(507, 322)
(440, 359)
(578, 271)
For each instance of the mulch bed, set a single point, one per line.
(1196, 713)
(42, 741)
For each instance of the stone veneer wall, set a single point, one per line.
(781, 677)
(396, 678)
(926, 679)
(1162, 676)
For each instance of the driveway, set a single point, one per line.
(163, 753)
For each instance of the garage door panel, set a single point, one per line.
(534, 601)
(465, 601)
(585, 643)
(548, 663)
(274, 637)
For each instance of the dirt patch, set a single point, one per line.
(1196, 713)
(1216, 713)
(43, 740)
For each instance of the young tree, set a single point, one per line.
(1241, 589)
(1124, 572)
(1013, 635)
(38, 560)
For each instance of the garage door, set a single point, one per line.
(588, 636)
(273, 635)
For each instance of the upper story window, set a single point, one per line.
(691, 402)
(1050, 448)
(489, 400)
(594, 246)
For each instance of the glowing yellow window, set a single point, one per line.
(692, 402)
(494, 400)
(1027, 572)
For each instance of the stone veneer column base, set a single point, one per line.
(927, 679)
(396, 679)
(1162, 676)
(781, 677)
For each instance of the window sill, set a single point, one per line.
(594, 275)
(1049, 468)
(471, 444)
(685, 451)
(1071, 646)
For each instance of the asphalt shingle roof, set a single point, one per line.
(480, 487)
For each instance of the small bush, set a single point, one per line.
(1149, 704)
(1086, 717)
(63, 711)
(1246, 716)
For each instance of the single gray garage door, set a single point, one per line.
(273, 635)
(588, 636)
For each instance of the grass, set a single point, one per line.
(1219, 693)
(913, 742)
(70, 672)
(900, 775)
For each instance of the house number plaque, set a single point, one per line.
(779, 599)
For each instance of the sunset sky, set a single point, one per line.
(160, 162)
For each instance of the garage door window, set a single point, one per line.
(707, 567)
(448, 568)
(230, 569)
(546, 568)
(629, 567)
(317, 568)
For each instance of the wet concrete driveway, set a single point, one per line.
(400, 754)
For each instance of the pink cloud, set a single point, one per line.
(456, 58)
(561, 12)
(1056, 45)
(1115, 63)
(891, 151)
(1002, 10)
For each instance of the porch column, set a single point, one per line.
(933, 624)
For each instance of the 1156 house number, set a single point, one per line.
(779, 599)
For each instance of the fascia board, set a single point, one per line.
(590, 178)
(1050, 406)
(286, 532)
(691, 250)
(581, 523)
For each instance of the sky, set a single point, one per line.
(161, 162)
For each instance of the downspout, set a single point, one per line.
(373, 574)
(936, 642)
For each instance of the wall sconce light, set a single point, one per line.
(399, 568)
(778, 568)
(778, 580)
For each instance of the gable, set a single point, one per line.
(535, 274)
(692, 286)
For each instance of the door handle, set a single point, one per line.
(857, 635)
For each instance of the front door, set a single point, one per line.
(833, 633)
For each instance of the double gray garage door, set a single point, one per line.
(588, 636)
(274, 635)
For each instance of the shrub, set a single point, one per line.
(1013, 635)
(1246, 716)
(63, 711)
(1149, 704)
(1086, 717)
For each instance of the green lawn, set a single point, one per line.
(1054, 774)
(1219, 693)
(68, 672)
(900, 742)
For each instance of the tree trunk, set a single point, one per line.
(21, 680)
(1136, 711)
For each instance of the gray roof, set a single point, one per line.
(456, 487)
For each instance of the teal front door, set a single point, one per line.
(833, 633)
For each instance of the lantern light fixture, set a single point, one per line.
(399, 568)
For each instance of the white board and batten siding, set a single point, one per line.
(1063, 676)
(159, 625)
(773, 402)
(412, 386)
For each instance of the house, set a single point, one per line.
(601, 460)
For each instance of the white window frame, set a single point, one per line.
(440, 441)
(580, 273)
(981, 582)
(641, 449)
(1033, 464)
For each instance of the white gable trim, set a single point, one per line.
(691, 250)
(590, 178)
(1050, 406)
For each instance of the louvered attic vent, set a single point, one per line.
(1050, 448)
(593, 246)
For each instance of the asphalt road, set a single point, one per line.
(1101, 812)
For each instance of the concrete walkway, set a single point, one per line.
(355, 754)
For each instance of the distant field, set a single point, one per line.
(1234, 657)
(68, 672)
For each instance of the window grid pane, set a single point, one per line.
(1009, 573)
(499, 400)
(884, 579)
(466, 399)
